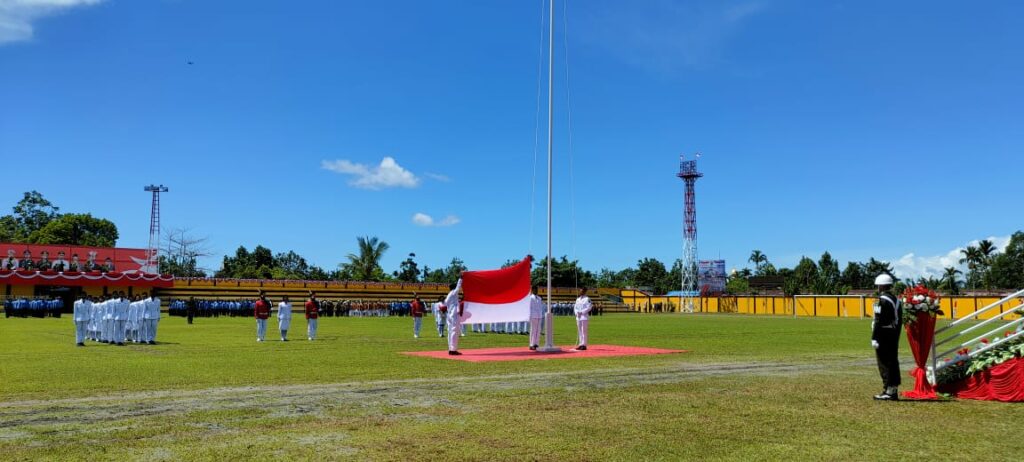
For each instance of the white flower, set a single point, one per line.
(918, 298)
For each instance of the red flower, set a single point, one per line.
(985, 341)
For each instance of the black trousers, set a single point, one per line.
(887, 355)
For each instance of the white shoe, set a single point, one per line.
(415, 336)
(259, 340)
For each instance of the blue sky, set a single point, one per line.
(868, 129)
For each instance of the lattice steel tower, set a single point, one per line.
(152, 258)
(688, 172)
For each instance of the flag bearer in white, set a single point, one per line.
(82, 312)
(151, 318)
(582, 309)
(454, 318)
(537, 312)
(284, 317)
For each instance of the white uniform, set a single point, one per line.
(439, 317)
(151, 318)
(537, 313)
(108, 320)
(120, 316)
(454, 321)
(582, 309)
(81, 314)
(132, 327)
(94, 321)
(284, 318)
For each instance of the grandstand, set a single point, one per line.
(234, 289)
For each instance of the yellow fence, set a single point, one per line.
(805, 305)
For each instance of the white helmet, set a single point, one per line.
(883, 280)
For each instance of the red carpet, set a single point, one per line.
(524, 353)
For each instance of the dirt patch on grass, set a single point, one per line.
(315, 400)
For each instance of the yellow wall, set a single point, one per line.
(823, 305)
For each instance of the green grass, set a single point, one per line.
(750, 387)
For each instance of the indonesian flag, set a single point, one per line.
(501, 295)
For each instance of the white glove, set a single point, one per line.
(874, 344)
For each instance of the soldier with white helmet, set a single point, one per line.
(885, 337)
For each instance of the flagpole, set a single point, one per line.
(549, 341)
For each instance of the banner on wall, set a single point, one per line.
(711, 276)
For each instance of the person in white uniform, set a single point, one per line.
(132, 326)
(284, 317)
(440, 313)
(151, 318)
(94, 321)
(108, 320)
(537, 312)
(452, 301)
(120, 317)
(582, 310)
(81, 314)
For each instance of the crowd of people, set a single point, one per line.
(212, 308)
(60, 264)
(33, 307)
(116, 319)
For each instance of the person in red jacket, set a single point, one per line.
(416, 309)
(312, 313)
(262, 312)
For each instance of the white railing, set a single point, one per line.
(1000, 325)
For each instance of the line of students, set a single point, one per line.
(116, 319)
(33, 307)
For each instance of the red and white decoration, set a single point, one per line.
(501, 295)
(92, 279)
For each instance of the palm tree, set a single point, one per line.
(986, 251)
(950, 280)
(972, 257)
(758, 259)
(366, 265)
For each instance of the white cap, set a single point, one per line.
(883, 280)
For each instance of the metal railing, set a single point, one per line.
(1000, 323)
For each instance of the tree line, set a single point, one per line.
(987, 269)
(36, 220)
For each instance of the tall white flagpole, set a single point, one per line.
(549, 331)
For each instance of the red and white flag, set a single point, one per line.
(501, 295)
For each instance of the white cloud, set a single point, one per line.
(913, 266)
(17, 16)
(422, 219)
(386, 175)
(437, 176)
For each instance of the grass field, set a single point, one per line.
(750, 388)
